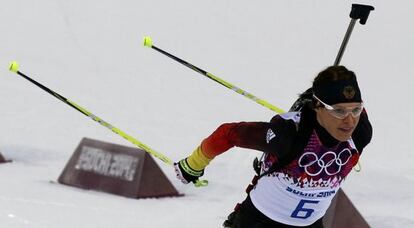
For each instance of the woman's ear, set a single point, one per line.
(316, 106)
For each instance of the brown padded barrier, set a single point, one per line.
(116, 169)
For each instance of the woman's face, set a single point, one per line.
(340, 129)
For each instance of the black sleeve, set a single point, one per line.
(285, 131)
(363, 132)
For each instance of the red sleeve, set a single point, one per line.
(250, 135)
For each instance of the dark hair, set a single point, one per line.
(333, 73)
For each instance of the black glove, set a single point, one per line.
(185, 173)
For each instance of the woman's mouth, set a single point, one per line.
(346, 130)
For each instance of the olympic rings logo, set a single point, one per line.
(326, 162)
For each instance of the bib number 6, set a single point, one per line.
(302, 211)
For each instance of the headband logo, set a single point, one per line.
(349, 92)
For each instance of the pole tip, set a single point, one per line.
(147, 41)
(14, 67)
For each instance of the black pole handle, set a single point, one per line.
(361, 12)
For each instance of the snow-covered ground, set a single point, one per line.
(91, 52)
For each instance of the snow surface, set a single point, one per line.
(91, 52)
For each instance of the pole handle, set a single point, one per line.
(361, 12)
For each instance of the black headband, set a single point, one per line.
(340, 91)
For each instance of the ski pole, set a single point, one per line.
(148, 43)
(14, 67)
(360, 12)
(357, 12)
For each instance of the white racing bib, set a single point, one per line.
(301, 193)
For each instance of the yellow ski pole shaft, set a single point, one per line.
(148, 43)
(14, 67)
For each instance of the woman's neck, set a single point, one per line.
(326, 139)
